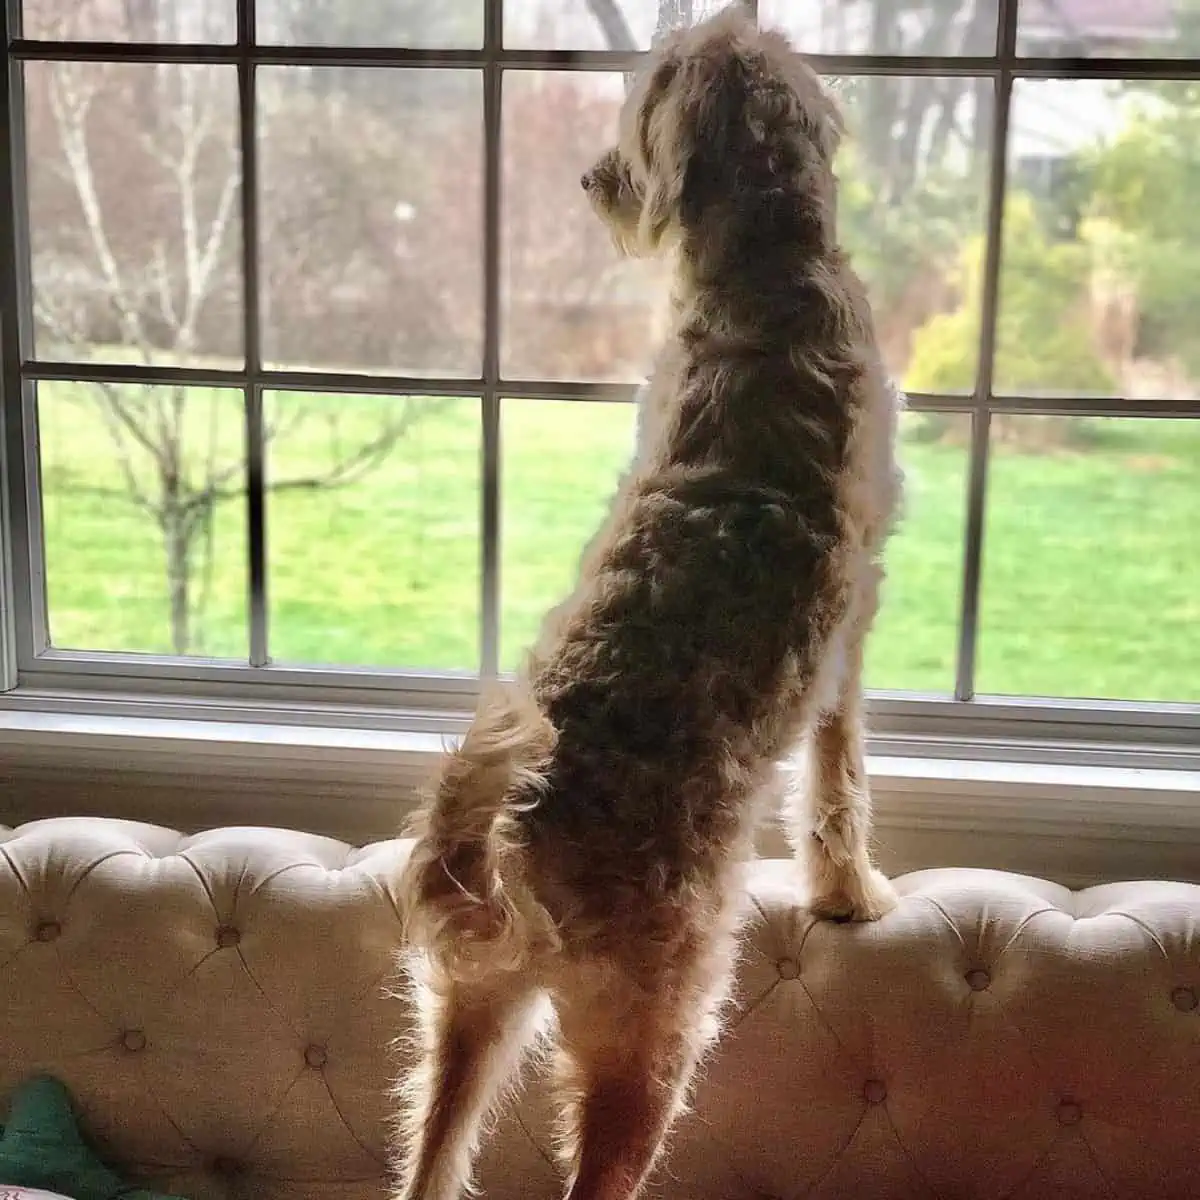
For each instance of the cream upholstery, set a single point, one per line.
(217, 1003)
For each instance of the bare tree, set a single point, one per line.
(147, 169)
(613, 25)
(617, 33)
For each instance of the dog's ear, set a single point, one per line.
(658, 139)
(829, 124)
(819, 113)
(685, 134)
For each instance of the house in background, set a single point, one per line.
(1054, 119)
(1097, 28)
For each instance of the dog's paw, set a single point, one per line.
(854, 895)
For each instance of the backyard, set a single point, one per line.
(1091, 580)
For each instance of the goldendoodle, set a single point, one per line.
(585, 843)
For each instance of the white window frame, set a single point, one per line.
(38, 682)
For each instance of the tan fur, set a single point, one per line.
(586, 842)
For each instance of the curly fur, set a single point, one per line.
(585, 841)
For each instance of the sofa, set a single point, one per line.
(220, 1006)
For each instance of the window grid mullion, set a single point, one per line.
(252, 392)
(490, 530)
(990, 65)
(981, 419)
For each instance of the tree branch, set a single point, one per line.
(70, 108)
(355, 466)
(46, 316)
(613, 25)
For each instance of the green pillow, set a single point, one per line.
(41, 1147)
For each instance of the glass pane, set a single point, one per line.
(447, 24)
(598, 24)
(134, 194)
(147, 21)
(914, 644)
(1108, 29)
(921, 28)
(572, 307)
(1102, 241)
(555, 496)
(913, 173)
(144, 518)
(373, 530)
(371, 210)
(1091, 573)
(555, 499)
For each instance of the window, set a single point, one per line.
(318, 373)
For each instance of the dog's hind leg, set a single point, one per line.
(473, 1039)
(845, 884)
(628, 1053)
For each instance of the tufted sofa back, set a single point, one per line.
(219, 1006)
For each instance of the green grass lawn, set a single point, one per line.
(1091, 583)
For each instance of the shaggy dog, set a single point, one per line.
(585, 843)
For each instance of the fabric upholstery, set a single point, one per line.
(219, 1006)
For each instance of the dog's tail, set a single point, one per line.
(464, 897)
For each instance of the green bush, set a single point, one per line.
(1043, 344)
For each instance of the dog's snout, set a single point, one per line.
(585, 181)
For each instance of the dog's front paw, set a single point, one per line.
(853, 894)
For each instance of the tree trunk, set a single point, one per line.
(613, 25)
(673, 14)
(177, 537)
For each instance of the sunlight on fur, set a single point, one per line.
(586, 842)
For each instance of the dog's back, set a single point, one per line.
(678, 672)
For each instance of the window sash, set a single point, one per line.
(29, 667)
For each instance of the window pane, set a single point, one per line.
(592, 25)
(914, 644)
(555, 499)
(562, 461)
(448, 24)
(886, 27)
(372, 220)
(1091, 572)
(148, 21)
(1102, 241)
(145, 520)
(1107, 29)
(373, 530)
(572, 307)
(134, 193)
(913, 173)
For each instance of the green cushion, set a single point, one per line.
(41, 1147)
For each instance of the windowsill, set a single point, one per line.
(1073, 822)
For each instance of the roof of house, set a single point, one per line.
(1093, 19)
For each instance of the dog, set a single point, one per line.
(584, 847)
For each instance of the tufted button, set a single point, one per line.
(134, 1040)
(228, 936)
(978, 980)
(875, 1091)
(316, 1057)
(1184, 999)
(223, 1165)
(788, 968)
(1069, 1113)
(48, 931)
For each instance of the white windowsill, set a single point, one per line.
(1074, 823)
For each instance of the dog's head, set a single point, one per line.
(723, 112)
